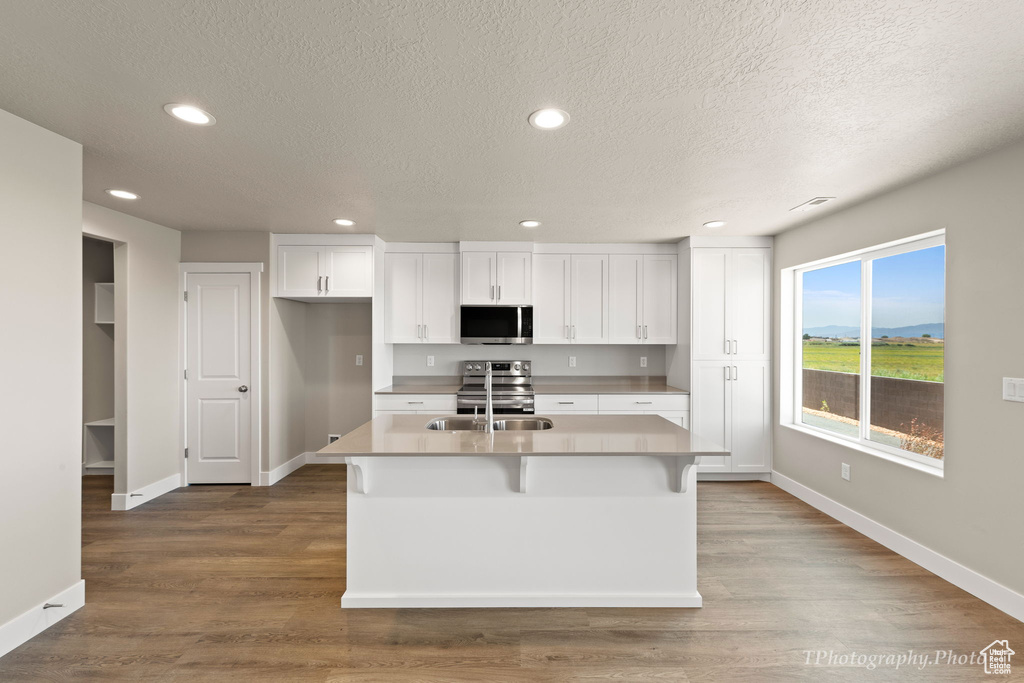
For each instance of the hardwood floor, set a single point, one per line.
(238, 583)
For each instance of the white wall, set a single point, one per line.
(146, 345)
(97, 340)
(287, 384)
(548, 360)
(973, 514)
(40, 366)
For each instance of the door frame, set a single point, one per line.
(256, 385)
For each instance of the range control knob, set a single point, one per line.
(478, 366)
(469, 366)
(517, 366)
(526, 367)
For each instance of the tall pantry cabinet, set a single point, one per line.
(725, 312)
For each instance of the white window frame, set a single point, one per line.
(793, 385)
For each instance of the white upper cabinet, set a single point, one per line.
(643, 295)
(551, 278)
(731, 303)
(572, 306)
(588, 313)
(421, 298)
(339, 272)
(496, 278)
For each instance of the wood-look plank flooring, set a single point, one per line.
(237, 583)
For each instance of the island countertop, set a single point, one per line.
(407, 435)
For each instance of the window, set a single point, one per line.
(869, 348)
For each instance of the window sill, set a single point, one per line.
(857, 446)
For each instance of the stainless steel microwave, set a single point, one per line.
(497, 325)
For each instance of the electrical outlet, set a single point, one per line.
(1013, 389)
(846, 472)
(359, 360)
(572, 361)
(430, 361)
(643, 361)
(331, 438)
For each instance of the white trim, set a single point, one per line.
(496, 246)
(608, 248)
(321, 240)
(27, 625)
(281, 471)
(369, 600)
(728, 241)
(133, 499)
(995, 594)
(255, 365)
(733, 476)
(422, 247)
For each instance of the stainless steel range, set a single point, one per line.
(512, 387)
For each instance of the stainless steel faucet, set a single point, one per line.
(488, 386)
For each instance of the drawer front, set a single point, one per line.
(440, 403)
(643, 402)
(582, 403)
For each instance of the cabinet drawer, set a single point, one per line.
(441, 403)
(583, 403)
(643, 402)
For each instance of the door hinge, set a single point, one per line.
(186, 296)
(186, 454)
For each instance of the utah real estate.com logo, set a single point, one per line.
(996, 657)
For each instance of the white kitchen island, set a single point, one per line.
(598, 511)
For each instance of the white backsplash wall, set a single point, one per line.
(548, 360)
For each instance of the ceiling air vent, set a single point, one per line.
(812, 203)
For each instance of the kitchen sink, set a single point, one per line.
(468, 424)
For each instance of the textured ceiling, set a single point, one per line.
(409, 116)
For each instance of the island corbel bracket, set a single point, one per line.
(684, 465)
(357, 470)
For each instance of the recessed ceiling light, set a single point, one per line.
(190, 114)
(344, 221)
(549, 119)
(122, 194)
(812, 203)
(714, 224)
(530, 224)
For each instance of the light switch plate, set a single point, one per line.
(1013, 389)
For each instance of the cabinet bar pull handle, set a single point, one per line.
(566, 331)
(567, 403)
(637, 331)
(573, 331)
(735, 372)
(499, 292)
(319, 281)
(726, 368)
(419, 334)
(644, 403)
(727, 346)
(327, 283)
(645, 331)
(735, 346)
(492, 292)
(415, 403)
(426, 332)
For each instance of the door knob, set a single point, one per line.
(243, 388)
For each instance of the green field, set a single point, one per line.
(910, 361)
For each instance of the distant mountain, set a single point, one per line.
(936, 330)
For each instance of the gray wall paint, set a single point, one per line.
(973, 514)
(242, 247)
(41, 364)
(337, 390)
(146, 341)
(410, 359)
(287, 381)
(97, 340)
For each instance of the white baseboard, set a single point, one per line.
(127, 501)
(26, 626)
(281, 471)
(390, 600)
(995, 594)
(733, 476)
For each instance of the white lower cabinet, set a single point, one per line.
(674, 407)
(391, 404)
(731, 407)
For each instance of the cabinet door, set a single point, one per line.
(660, 293)
(402, 298)
(710, 413)
(751, 418)
(515, 284)
(440, 298)
(551, 310)
(710, 294)
(299, 271)
(478, 271)
(625, 295)
(750, 303)
(349, 271)
(589, 310)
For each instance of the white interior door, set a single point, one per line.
(589, 308)
(219, 405)
(440, 298)
(624, 295)
(551, 310)
(402, 298)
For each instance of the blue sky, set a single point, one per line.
(907, 289)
